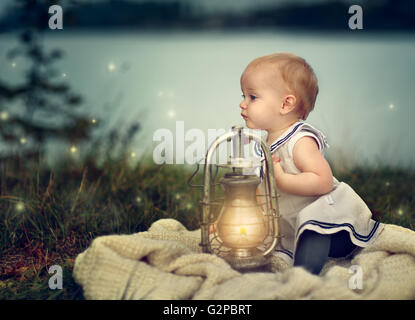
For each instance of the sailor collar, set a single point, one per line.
(297, 126)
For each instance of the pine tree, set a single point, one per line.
(43, 107)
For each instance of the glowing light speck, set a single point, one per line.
(133, 154)
(178, 196)
(111, 66)
(391, 106)
(138, 199)
(400, 212)
(387, 183)
(4, 115)
(171, 113)
(14, 64)
(64, 75)
(19, 207)
(94, 120)
(73, 149)
(22, 140)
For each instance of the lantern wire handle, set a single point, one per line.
(200, 186)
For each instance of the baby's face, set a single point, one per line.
(263, 94)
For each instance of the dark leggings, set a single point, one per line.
(314, 248)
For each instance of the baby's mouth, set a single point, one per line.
(244, 116)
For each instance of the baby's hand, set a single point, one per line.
(278, 170)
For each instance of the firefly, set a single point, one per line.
(111, 66)
(171, 113)
(73, 149)
(19, 207)
(4, 115)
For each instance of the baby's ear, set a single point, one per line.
(289, 104)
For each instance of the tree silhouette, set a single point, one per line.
(43, 107)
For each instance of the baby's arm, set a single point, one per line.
(315, 178)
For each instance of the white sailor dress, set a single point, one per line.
(340, 209)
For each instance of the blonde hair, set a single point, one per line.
(298, 76)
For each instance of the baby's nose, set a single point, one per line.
(242, 105)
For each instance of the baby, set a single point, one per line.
(320, 216)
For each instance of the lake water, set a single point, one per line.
(365, 106)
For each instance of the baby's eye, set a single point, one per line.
(252, 97)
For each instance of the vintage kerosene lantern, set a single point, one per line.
(242, 228)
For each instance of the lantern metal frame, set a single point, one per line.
(211, 243)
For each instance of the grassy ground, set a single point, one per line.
(49, 216)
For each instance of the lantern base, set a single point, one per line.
(246, 259)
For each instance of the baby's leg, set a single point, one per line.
(341, 245)
(312, 251)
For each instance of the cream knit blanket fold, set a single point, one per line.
(166, 262)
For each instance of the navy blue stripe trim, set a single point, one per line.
(258, 149)
(326, 225)
(287, 252)
(279, 142)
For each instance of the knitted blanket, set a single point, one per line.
(166, 262)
